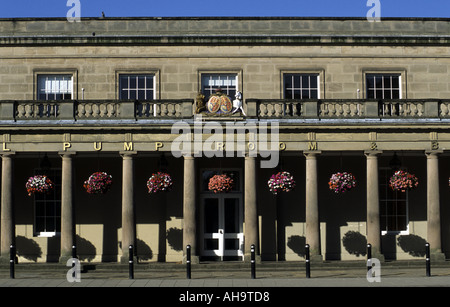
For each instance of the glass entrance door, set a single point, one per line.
(223, 237)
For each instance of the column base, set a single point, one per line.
(64, 258)
(125, 259)
(437, 256)
(194, 259)
(315, 258)
(248, 258)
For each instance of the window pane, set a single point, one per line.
(211, 215)
(396, 82)
(305, 81)
(305, 94)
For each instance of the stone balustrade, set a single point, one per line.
(255, 108)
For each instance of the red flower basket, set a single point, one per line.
(39, 184)
(220, 183)
(342, 182)
(98, 183)
(159, 182)
(403, 181)
(281, 182)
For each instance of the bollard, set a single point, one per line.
(12, 258)
(253, 264)
(130, 262)
(427, 252)
(188, 262)
(307, 262)
(369, 257)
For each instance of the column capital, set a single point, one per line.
(66, 154)
(372, 153)
(7, 153)
(127, 154)
(311, 153)
(431, 154)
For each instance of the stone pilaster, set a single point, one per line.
(251, 209)
(312, 206)
(190, 208)
(128, 215)
(7, 206)
(433, 206)
(373, 204)
(67, 207)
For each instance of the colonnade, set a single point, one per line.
(190, 205)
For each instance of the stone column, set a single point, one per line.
(251, 209)
(312, 206)
(67, 209)
(128, 215)
(433, 206)
(7, 206)
(373, 204)
(190, 209)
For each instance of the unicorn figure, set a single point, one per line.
(237, 103)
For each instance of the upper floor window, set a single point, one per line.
(55, 87)
(383, 86)
(226, 82)
(301, 86)
(140, 87)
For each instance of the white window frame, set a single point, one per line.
(51, 79)
(301, 75)
(388, 171)
(383, 88)
(153, 75)
(57, 187)
(225, 90)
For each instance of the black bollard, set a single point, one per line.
(12, 258)
(252, 260)
(188, 262)
(427, 252)
(130, 262)
(369, 257)
(307, 262)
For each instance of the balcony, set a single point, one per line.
(264, 109)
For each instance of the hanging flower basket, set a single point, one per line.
(342, 182)
(39, 184)
(159, 182)
(403, 181)
(281, 182)
(98, 183)
(220, 183)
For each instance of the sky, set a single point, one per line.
(236, 8)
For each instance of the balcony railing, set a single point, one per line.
(351, 109)
(255, 108)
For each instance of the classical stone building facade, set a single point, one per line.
(115, 94)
